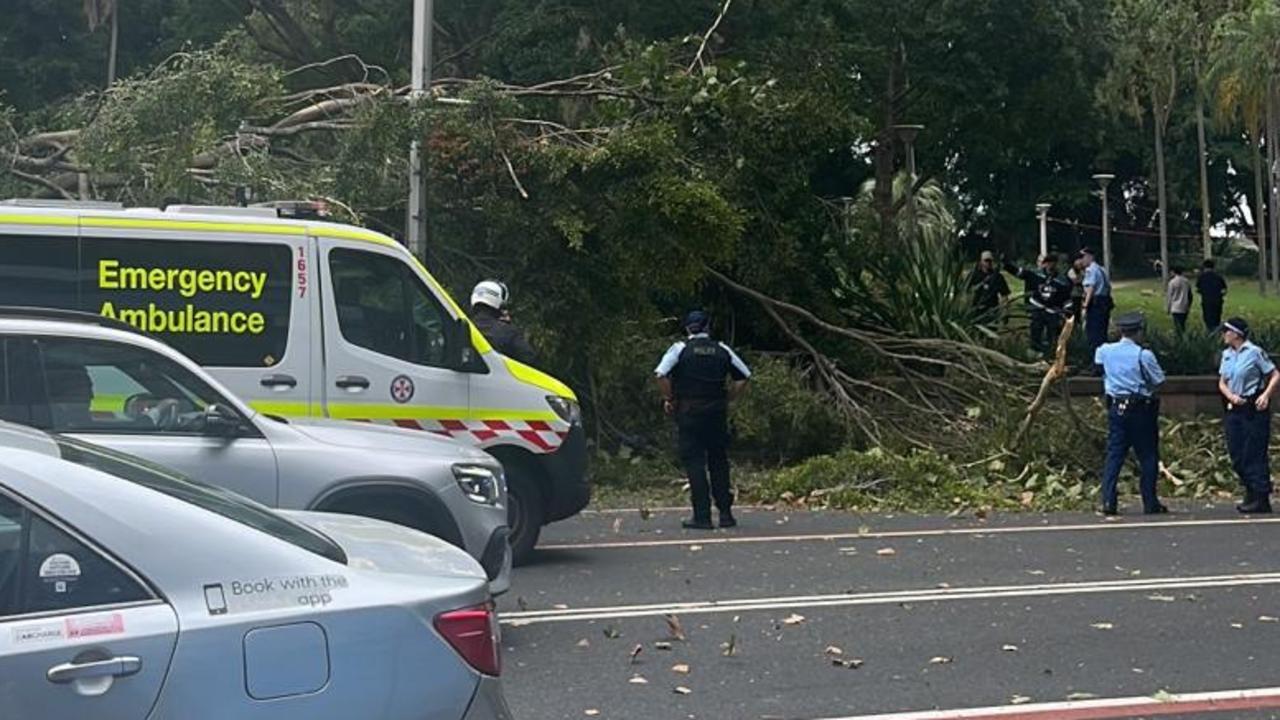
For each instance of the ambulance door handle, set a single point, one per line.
(352, 382)
(279, 381)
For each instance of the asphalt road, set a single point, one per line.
(816, 616)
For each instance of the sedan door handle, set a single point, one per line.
(274, 381)
(347, 382)
(122, 666)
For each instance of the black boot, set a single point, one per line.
(697, 524)
(1110, 509)
(727, 520)
(1249, 499)
(1258, 505)
(1158, 509)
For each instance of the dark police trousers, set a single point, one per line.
(1098, 321)
(1248, 433)
(1212, 312)
(1045, 328)
(1135, 428)
(704, 452)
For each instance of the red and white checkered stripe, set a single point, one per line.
(537, 435)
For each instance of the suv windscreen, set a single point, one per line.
(207, 497)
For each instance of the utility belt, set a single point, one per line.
(1123, 404)
(1246, 407)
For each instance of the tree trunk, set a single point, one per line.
(884, 161)
(115, 45)
(1260, 215)
(1273, 140)
(1206, 221)
(1160, 189)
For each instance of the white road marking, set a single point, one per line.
(1171, 704)
(889, 534)
(706, 607)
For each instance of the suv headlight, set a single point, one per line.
(480, 484)
(568, 410)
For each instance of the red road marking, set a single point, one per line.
(1102, 709)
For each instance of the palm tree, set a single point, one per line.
(1207, 15)
(1147, 39)
(1246, 68)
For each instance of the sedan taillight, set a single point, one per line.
(473, 632)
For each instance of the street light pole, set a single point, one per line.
(423, 14)
(908, 134)
(1104, 179)
(1042, 209)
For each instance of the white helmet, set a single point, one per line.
(491, 293)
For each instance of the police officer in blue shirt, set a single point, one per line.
(1131, 376)
(698, 378)
(1247, 379)
(1097, 300)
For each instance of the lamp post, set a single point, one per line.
(908, 134)
(1042, 209)
(423, 14)
(1104, 179)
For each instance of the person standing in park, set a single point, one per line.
(1131, 376)
(1177, 300)
(989, 287)
(1247, 378)
(1097, 300)
(1048, 295)
(1213, 289)
(698, 378)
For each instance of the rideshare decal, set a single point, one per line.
(272, 593)
(80, 627)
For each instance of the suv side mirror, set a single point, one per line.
(220, 421)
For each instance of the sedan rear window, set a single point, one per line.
(208, 497)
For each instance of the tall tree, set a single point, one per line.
(1246, 66)
(1147, 40)
(1207, 13)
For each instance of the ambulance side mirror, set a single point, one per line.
(462, 355)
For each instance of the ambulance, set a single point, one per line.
(306, 318)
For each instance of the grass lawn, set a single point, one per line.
(1242, 299)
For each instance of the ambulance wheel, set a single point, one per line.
(526, 513)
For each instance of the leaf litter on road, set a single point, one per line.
(680, 668)
(729, 648)
(674, 629)
(635, 653)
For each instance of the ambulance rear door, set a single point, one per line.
(232, 298)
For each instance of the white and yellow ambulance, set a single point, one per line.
(306, 318)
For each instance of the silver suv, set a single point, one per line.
(103, 382)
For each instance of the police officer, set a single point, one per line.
(1048, 298)
(1131, 376)
(1097, 301)
(489, 313)
(698, 378)
(1247, 379)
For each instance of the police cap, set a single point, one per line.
(1237, 325)
(696, 321)
(1130, 322)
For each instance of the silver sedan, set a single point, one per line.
(127, 591)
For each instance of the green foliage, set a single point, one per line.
(782, 419)
(917, 284)
(155, 130)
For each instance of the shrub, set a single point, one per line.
(782, 418)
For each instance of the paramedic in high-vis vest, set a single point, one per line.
(698, 378)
